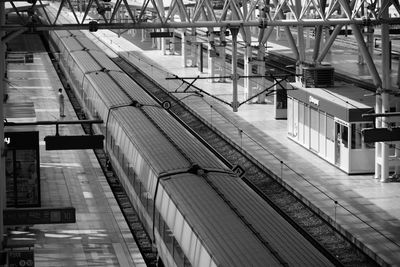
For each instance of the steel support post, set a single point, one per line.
(235, 103)
(211, 57)
(2, 145)
(397, 144)
(378, 124)
(223, 54)
(386, 85)
(300, 44)
(248, 88)
(302, 53)
(184, 53)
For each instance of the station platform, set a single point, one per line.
(364, 209)
(68, 178)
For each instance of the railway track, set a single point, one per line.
(330, 242)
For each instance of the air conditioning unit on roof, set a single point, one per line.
(320, 76)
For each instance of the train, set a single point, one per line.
(196, 210)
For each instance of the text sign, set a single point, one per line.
(20, 258)
(74, 142)
(161, 34)
(381, 134)
(23, 216)
(22, 140)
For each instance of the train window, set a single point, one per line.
(186, 235)
(171, 213)
(168, 238)
(178, 254)
(130, 154)
(116, 149)
(205, 259)
(137, 185)
(158, 223)
(131, 175)
(150, 204)
(140, 192)
(186, 262)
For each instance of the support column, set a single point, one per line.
(184, 48)
(385, 147)
(300, 44)
(144, 35)
(235, 103)
(386, 85)
(302, 52)
(397, 144)
(2, 158)
(248, 88)
(222, 54)
(164, 45)
(211, 56)
(262, 82)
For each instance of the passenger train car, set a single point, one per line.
(197, 212)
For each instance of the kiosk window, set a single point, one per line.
(330, 128)
(342, 134)
(345, 134)
(355, 136)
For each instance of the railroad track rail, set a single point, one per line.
(316, 229)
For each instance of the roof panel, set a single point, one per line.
(221, 231)
(133, 89)
(109, 92)
(151, 143)
(189, 144)
(85, 61)
(71, 43)
(104, 60)
(290, 244)
(86, 43)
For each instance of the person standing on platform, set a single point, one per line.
(61, 102)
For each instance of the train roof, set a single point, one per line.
(103, 60)
(151, 143)
(62, 33)
(107, 89)
(289, 244)
(76, 43)
(69, 33)
(132, 88)
(87, 63)
(189, 144)
(221, 231)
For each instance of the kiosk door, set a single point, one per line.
(342, 146)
